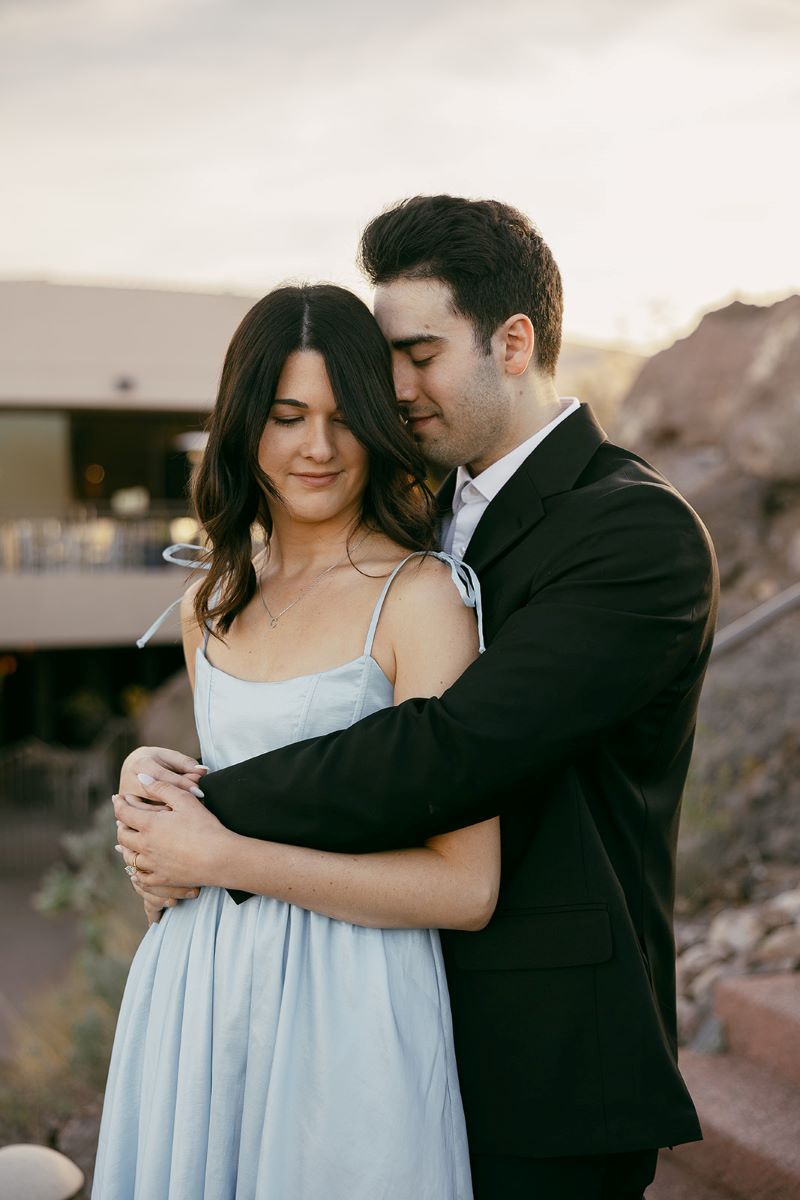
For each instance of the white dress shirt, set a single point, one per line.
(472, 495)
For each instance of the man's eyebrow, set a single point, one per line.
(417, 339)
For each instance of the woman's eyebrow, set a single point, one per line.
(297, 403)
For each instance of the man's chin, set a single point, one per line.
(441, 464)
(440, 458)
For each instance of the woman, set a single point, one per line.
(298, 1046)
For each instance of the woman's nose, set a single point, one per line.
(318, 443)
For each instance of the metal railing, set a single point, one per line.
(746, 626)
(90, 543)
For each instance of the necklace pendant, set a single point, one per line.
(273, 622)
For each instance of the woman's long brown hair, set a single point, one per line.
(230, 491)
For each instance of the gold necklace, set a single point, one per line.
(275, 617)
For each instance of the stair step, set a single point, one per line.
(674, 1182)
(761, 1014)
(751, 1128)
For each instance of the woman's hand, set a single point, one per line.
(155, 899)
(176, 845)
(163, 766)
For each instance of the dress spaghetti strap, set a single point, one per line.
(464, 578)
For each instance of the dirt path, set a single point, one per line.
(35, 951)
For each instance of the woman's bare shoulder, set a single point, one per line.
(424, 592)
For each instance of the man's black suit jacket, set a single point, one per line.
(576, 726)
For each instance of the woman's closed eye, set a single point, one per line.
(338, 420)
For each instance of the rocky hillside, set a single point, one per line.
(719, 414)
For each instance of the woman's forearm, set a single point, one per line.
(397, 889)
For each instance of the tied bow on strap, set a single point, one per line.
(170, 555)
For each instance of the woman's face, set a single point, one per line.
(307, 449)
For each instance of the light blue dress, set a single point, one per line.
(264, 1052)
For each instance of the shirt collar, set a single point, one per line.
(485, 486)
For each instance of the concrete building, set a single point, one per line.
(103, 397)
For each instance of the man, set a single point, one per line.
(576, 725)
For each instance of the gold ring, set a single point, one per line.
(133, 864)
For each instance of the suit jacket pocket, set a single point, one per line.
(534, 938)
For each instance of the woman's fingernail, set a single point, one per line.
(118, 849)
(196, 792)
(145, 779)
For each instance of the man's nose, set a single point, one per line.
(405, 382)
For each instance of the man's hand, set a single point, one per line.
(162, 766)
(178, 844)
(158, 899)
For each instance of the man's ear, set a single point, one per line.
(519, 342)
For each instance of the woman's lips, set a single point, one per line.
(318, 481)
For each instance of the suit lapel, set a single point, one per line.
(552, 467)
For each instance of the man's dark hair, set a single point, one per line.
(494, 260)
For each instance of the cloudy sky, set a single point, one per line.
(228, 144)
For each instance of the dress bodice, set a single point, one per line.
(239, 719)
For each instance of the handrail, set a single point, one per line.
(744, 627)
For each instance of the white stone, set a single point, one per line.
(696, 959)
(37, 1173)
(782, 945)
(688, 1014)
(702, 984)
(736, 929)
(789, 903)
(689, 934)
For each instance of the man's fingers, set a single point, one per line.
(175, 761)
(142, 804)
(166, 793)
(167, 892)
(134, 818)
(187, 782)
(154, 912)
(162, 765)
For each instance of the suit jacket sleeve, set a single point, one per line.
(616, 616)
